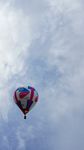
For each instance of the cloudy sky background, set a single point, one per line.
(41, 44)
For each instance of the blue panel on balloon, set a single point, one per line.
(22, 89)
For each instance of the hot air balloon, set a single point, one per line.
(25, 98)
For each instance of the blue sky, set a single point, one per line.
(41, 44)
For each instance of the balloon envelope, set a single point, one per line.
(25, 98)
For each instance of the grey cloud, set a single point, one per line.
(30, 7)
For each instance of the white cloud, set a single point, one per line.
(24, 137)
(15, 38)
(66, 53)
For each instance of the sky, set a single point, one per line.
(41, 45)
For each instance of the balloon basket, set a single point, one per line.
(24, 116)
